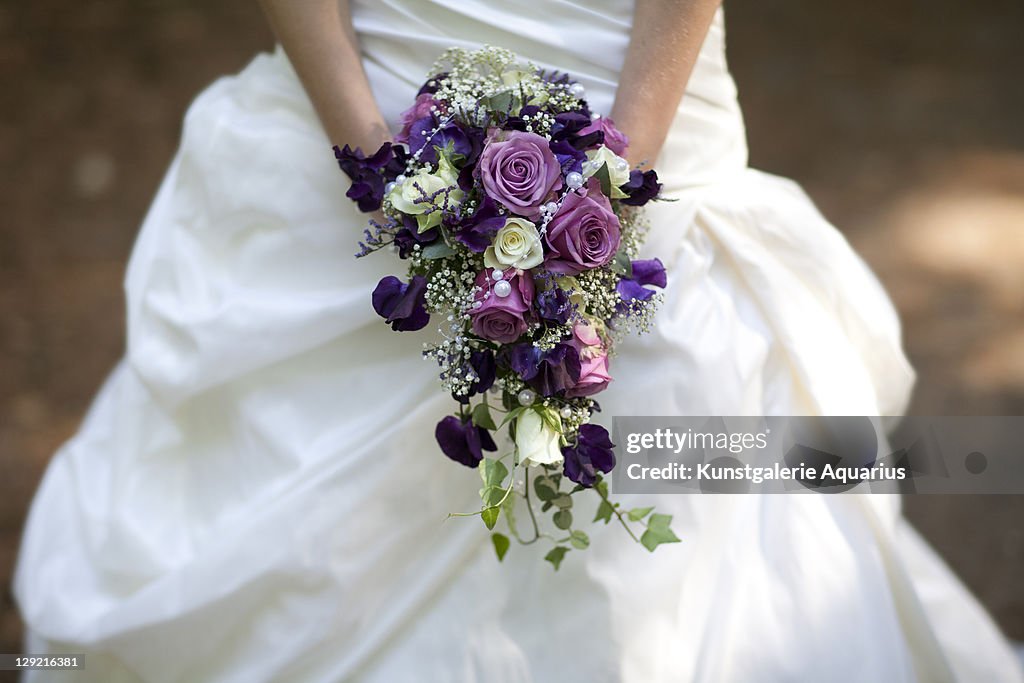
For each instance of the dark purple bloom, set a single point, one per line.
(483, 364)
(409, 235)
(592, 453)
(642, 187)
(548, 372)
(402, 304)
(572, 127)
(462, 441)
(451, 137)
(553, 305)
(481, 226)
(569, 158)
(648, 273)
(370, 174)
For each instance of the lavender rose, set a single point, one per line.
(585, 232)
(614, 139)
(502, 318)
(520, 171)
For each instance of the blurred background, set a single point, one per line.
(903, 119)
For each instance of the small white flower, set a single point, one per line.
(618, 168)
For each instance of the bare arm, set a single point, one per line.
(666, 39)
(318, 37)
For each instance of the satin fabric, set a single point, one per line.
(255, 494)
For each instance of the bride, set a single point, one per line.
(254, 494)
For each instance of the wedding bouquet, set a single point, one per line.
(520, 222)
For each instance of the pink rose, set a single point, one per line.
(594, 375)
(419, 110)
(585, 232)
(502, 318)
(614, 139)
(519, 170)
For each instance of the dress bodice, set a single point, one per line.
(401, 39)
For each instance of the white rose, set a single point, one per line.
(517, 245)
(618, 168)
(537, 442)
(409, 196)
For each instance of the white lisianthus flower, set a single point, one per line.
(618, 168)
(538, 442)
(517, 245)
(409, 197)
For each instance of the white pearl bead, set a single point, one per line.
(551, 207)
(574, 180)
(389, 187)
(477, 304)
(565, 412)
(622, 165)
(577, 90)
(497, 274)
(526, 397)
(400, 179)
(502, 288)
(595, 116)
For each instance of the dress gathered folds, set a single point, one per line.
(256, 495)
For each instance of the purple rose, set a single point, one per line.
(584, 234)
(614, 139)
(502, 318)
(520, 171)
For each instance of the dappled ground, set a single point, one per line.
(902, 120)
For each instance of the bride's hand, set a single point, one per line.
(318, 38)
(666, 39)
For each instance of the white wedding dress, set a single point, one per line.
(256, 495)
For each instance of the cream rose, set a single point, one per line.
(409, 197)
(537, 442)
(517, 245)
(618, 168)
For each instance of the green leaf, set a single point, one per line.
(482, 417)
(604, 511)
(636, 514)
(579, 540)
(544, 488)
(562, 501)
(493, 472)
(563, 519)
(438, 249)
(604, 177)
(499, 102)
(551, 417)
(602, 487)
(501, 545)
(492, 495)
(556, 556)
(490, 516)
(511, 415)
(621, 265)
(658, 532)
(546, 506)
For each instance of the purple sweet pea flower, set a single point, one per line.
(370, 174)
(584, 234)
(548, 372)
(502, 319)
(401, 304)
(462, 441)
(553, 305)
(481, 226)
(569, 158)
(520, 171)
(482, 363)
(642, 187)
(592, 453)
(645, 273)
(409, 235)
(614, 139)
(450, 137)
